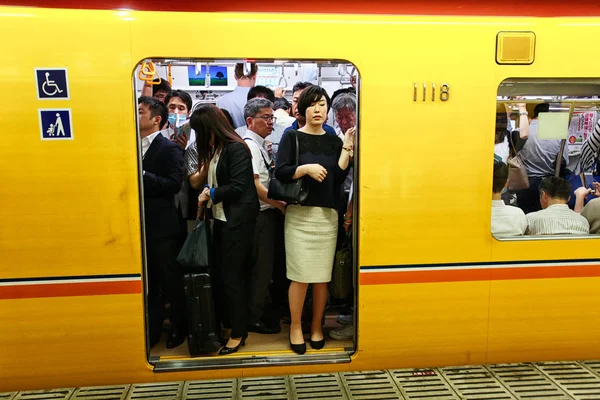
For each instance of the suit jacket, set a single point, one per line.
(236, 185)
(163, 174)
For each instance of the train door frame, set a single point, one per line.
(211, 362)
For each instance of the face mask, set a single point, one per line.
(173, 119)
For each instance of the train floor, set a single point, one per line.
(548, 380)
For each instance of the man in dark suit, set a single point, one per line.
(163, 174)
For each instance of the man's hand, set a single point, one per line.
(280, 92)
(181, 140)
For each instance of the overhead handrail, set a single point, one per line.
(170, 75)
(148, 73)
(282, 77)
(207, 76)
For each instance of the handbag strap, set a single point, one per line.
(297, 150)
(558, 164)
(261, 153)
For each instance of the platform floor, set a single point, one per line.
(547, 380)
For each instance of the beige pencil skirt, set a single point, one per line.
(310, 240)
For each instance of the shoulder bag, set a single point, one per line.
(295, 192)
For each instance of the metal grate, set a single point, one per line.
(101, 393)
(54, 394)
(475, 382)
(573, 378)
(526, 382)
(162, 391)
(323, 386)
(218, 389)
(593, 366)
(8, 396)
(370, 385)
(423, 384)
(267, 388)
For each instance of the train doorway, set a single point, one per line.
(188, 86)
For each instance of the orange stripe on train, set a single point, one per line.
(69, 289)
(484, 274)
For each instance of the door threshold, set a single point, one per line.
(241, 360)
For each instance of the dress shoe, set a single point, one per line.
(176, 338)
(230, 350)
(261, 327)
(297, 348)
(317, 344)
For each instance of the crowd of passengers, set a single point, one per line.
(266, 253)
(546, 206)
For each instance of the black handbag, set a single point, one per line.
(195, 252)
(295, 192)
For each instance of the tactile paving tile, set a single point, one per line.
(267, 388)
(318, 386)
(423, 384)
(526, 382)
(101, 393)
(156, 391)
(213, 390)
(370, 385)
(573, 378)
(475, 382)
(54, 394)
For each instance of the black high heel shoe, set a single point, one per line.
(297, 348)
(318, 344)
(230, 350)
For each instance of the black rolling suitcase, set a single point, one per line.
(202, 326)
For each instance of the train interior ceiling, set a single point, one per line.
(205, 81)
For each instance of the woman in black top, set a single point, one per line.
(311, 228)
(234, 205)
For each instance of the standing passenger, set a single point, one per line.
(235, 206)
(268, 238)
(311, 228)
(162, 173)
(235, 101)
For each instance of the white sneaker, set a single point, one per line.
(345, 319)
(347, 332)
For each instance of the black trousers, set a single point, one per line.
(266, 252)
(528, 199)
(232, 261)
(164, 273)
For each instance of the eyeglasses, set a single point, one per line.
(267, 118)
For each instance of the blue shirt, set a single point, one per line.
(326, 128)
(234, 102)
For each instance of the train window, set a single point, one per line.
(545, 180)
(190, 106)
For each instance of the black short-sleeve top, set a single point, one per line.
(324, 149)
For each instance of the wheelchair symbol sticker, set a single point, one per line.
(52, 83)
(56, 124)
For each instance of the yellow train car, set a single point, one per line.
(434, 287)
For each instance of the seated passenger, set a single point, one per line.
(591, 211)
(556, 218)
(506, 220)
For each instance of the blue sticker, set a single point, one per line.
(56, 124)
(52, 83)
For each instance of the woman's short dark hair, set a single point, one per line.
(311, 95)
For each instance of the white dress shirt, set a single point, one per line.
(557, 219)
(507, 220)
(147, 141)
(259, 158)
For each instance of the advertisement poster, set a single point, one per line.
(582, 126)
(218, 76)
(268, 76)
